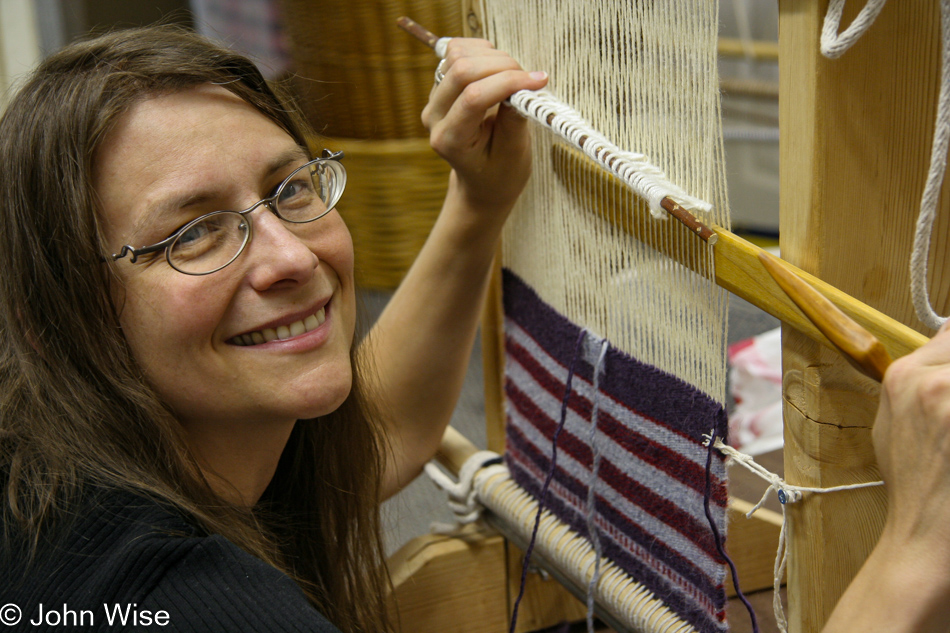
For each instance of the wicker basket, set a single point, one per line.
(357, 74)
(394, 191)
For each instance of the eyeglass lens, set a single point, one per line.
(215, 240)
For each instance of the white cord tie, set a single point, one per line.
(787, 493)
(463, 498)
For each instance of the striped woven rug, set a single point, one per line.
(651, 480)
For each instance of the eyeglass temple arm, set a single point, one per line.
(135, 252)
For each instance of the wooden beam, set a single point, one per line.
(450, 584)
(757, 49)
(854, 153)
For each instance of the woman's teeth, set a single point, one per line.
(296, 328)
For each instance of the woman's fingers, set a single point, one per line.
(460, 74)
(462, 125)
(485, 142)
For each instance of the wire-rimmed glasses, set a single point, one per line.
(212, 241)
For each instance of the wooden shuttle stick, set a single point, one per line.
(416, 30)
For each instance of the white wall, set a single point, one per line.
(19, 44)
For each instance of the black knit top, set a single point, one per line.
(128, 563)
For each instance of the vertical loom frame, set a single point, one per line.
(855, 150)
(828, 195)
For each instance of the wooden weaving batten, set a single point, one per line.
(739, 267)
(859, 346)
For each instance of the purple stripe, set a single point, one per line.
(654, 394)
(661, 457)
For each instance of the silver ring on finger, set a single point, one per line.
(440, 72)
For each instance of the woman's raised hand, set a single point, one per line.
(484, 140)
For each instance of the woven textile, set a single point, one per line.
(651, 479)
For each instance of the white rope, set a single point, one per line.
(833, 45)
(928, 205)
(787, 493)
(463, 498)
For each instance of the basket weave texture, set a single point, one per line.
(363, 82)
(388, 206)
(357, 74)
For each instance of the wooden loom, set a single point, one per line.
(855, 148)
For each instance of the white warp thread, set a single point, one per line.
(788, 493)
(833, 45)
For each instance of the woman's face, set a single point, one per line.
(171, 159)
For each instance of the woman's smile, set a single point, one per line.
(284, 332)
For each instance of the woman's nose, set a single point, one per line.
(278, 254)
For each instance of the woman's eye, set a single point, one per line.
(193, 234)
(297, 191)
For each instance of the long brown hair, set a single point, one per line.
(75, 408)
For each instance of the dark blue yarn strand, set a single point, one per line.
(718, 537)
(547, 479)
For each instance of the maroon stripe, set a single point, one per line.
(658, 455)
(635, 492)
(531, 460)
(567, 441)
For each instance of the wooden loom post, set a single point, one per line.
(855, 148)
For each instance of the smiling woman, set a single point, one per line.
(131, 382)
(182, 411)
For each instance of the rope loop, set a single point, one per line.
(833, 44)
(463, 498)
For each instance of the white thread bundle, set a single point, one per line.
(789, 493)
(634, 169)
